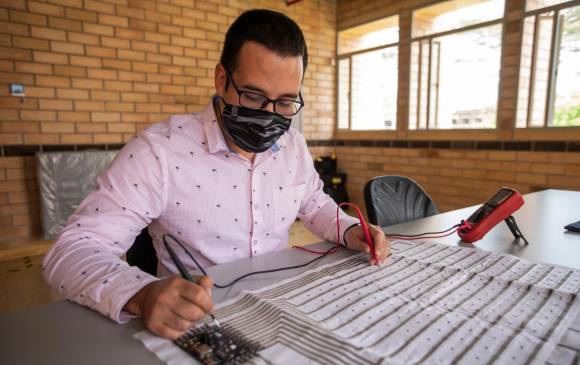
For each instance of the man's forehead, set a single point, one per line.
(263, 71)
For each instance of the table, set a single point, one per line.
(67, 333)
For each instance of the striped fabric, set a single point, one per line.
(431, 303)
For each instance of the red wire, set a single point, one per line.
(423, 237)
(462, 225)
(363, 226)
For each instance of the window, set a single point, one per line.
(455, 65)
(367, 75)
(549, 79)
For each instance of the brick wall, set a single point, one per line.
(459, 178)
(97, 72)
(19, 206)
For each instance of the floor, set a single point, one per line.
(22, 285)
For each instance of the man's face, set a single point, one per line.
(263, 71)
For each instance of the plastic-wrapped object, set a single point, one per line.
(64, 179)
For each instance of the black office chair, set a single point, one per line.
(396, 199)
(142, 254)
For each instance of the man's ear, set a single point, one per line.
(220, 80)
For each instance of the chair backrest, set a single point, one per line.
(396, 199)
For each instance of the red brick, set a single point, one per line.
(102, 74)
(54, 81)
(115, 42)
(48, 57)
(99, 6)
(74, 116)
(83, 38)
(89, 105)
(43, 8)
(65, 24)
(86, 16)
(101, 52)
(76, 138)
(31, 43)
(15, 54)
(87, 84)
(91, 127)
(34, 115)
(85, 61)
(34, 68)
(113, 20)
(48, 33)
(58, 127)
(70, 71)
(67, 48)
(27, 18)
(106, 95)
(98, 29)
(20, 126)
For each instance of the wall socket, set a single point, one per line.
(17, 90)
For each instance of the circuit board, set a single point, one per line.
(213, 345)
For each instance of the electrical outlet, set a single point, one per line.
(17, 90)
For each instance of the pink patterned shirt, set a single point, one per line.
(179, 177)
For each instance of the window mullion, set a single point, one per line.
(554, 56)
(420, 73)
(533, 69)
(350, 92)
(429, 64)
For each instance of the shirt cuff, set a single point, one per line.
(346, 223)
(118, 314)
(346, 230)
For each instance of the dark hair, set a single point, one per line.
(271, 29)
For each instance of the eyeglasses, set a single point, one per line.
(254, 100)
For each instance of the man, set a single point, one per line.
(227, 182)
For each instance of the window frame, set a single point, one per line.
(430, 37)
(349, 55)
(506, 124)
(555, 38)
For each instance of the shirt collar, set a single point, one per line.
(213, 133)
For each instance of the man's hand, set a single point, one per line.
(170, 306)
(356, 241)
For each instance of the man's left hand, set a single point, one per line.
(355, 239)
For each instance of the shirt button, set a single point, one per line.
(255, 242)
(256, 206)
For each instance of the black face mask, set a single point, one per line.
(253, 130)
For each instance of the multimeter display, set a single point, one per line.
(499, 197)
(487, 207)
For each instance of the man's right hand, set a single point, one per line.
(170, 306)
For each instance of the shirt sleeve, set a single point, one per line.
(85, 262)
(318, 209)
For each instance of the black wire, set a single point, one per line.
(248, 274)
(421, 234)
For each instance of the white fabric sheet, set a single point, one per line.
(431, 303)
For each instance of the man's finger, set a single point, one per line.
(206, 282)
(177, 322)
(197, 295)
(187, 311)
